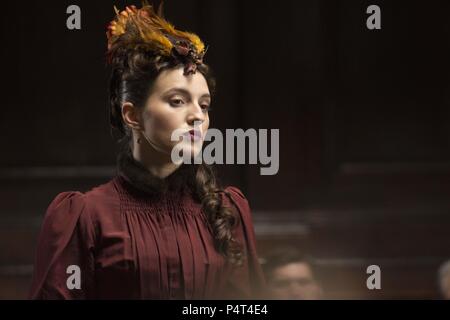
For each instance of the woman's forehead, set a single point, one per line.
(175, 78)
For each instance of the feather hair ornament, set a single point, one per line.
(135, 28)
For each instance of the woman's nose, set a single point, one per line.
(195, 114)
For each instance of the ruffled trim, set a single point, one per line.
(144, 182)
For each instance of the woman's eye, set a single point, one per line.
(205, 107)
(176, 102)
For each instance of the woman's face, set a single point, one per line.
(177, 102)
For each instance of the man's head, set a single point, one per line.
(444, 280)
(290, 276)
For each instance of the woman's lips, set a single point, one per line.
(195, 135)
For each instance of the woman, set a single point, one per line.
(159, 229)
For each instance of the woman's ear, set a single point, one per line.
(131, 116)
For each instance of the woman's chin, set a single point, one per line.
(189, 153)
(194, 152)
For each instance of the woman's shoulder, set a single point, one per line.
(235, 191)
(70, 206)
(101, 193)
(236, 198)
(104, 195)
(236, 195)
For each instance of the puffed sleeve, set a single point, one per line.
(64, 264)
(246, 281)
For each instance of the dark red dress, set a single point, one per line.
(130, 246)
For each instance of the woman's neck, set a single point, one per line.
(157, 163)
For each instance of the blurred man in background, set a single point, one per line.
(444, 280)
(290, 276)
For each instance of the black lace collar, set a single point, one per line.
(140, 178)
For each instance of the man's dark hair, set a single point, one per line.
(284, 256)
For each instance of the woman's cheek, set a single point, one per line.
(166, 125)
(205, 127)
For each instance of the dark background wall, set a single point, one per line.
(363, 116)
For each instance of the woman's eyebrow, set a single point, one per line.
(184, 92)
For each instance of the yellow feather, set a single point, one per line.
(144, 25)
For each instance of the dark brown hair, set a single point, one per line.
(133, 72)
(283, 256)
